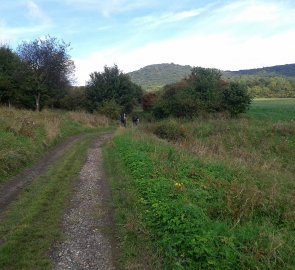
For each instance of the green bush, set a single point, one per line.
(170, 130)
(235, 98)
(203, 92)
(110, 109)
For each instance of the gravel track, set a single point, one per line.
(87, 223)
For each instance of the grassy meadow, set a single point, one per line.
(26, 135)
(212, 193)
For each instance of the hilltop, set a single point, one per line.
(153, 77)
(281, 70)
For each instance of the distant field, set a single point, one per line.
(219, 194)
(273, 109)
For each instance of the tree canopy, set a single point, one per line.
(50, 68)
(203, 91)
(9, 70)
(112, 85)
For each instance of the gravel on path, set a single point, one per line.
(87, 223)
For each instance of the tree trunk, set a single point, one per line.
(37, 99)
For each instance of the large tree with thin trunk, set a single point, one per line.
(51, 68)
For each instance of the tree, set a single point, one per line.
(51, 68)
(207, 86)
(112, 85)
(9, 68)
(202, 91)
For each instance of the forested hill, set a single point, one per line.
(155, 76)
(281, 70)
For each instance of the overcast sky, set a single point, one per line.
(228, 35)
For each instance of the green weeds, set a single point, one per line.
(201, 214)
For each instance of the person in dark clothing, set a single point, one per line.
(135, 120)
(123, 119)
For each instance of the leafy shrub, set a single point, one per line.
(203, 91)
(110, 109)
(235, 98)
(148, 100)
(170, 130)
(112, 84)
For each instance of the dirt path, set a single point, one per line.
(87, 223)
(10, 190)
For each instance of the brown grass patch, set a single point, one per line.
(284, 129)
(89, 120)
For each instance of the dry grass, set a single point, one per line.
(284, 129)
(52, 127)
(25, 134)
(89, 120)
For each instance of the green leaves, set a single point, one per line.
(203, 91)
(112, 85)
(187, 208)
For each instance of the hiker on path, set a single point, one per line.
(135, 120)
(123, 119)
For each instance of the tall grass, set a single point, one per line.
(253, 142)
(89, 120)
(25, 135)
(220, 197)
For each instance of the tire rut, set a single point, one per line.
(10, 190)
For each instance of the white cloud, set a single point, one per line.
(256, 11)
(171, 17)
(222, 51)
(36, 13)
(107, 8)
(15, 34)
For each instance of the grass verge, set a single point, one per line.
(31, 224)
(197, 214)
(136, 249)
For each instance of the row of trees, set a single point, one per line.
(109, 92)
(271, 86)
(40, 73)
(202, 91)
